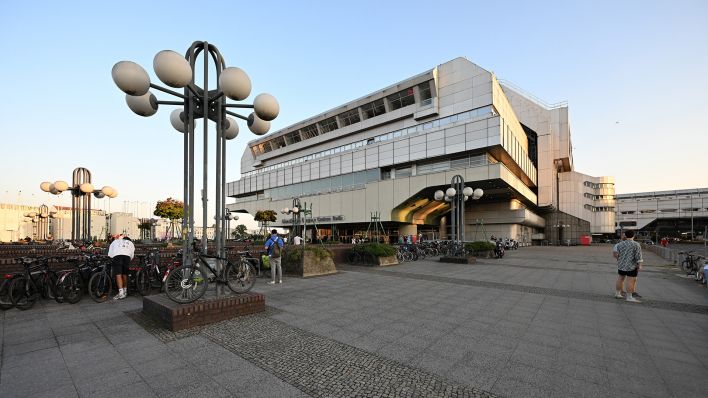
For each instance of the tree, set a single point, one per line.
(172, 210)
(264, 217)
(239, 231)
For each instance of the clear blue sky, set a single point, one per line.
(635, 74)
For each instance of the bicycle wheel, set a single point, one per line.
(99, 287)
(71, 288)
(686, 266)
(240, 277)
(50, 288)
(186, 284)
(24, 293)
(5, 299)
(352, 257)
(142, 282)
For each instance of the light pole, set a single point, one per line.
(81, 190)
(295, 220)
(197, 103)
(457, 194)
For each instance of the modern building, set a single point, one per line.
(60, 227)
(120, 223)
(388, 152)
(681, 213)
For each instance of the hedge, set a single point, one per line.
(375, 249)
(479, 246)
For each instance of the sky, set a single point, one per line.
(634, 74)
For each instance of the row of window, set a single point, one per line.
(600, 185)
(517, 152)
(599, 197)
(599, 208)
(649, 211)
(438, 166)
(474, 113)
(395, 101)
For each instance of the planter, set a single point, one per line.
(459, 260)
(386, 261)
(484, 254)
(313, 265)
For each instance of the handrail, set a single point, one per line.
(532, 97)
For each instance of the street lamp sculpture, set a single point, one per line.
(40, 221)
(81, 191)
(457, 194)
(197, 102)
(295, 220)
(226, 225)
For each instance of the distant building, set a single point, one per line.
(60, 226)
(390, 150)
(681, 213)
(124, 224)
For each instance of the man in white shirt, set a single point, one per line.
(121, 251)
(297, 240)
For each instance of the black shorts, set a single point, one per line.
(632, 273)
(121, 264)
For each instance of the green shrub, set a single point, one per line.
(375, 249)
(293, 254)
(479, 246)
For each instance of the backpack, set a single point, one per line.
(275, 253)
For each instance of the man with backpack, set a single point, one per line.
(274, 246)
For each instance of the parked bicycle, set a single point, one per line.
(189, 282)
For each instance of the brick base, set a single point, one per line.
(174, 316)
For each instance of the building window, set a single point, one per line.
(374, 109)
(350, 117)
(588, 207)
(309, 132)
(426, 96)
(401, 99)
(386, 174)
(328, 125)
(403, 172)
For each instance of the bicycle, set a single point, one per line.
(690, 263)
(149, 275)
(36, 279)
(189, 282)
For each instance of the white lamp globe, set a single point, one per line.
(450, 192)
(45, 186)
(172, 68)
(86, 187)
(295, 210)
(143, 105)
(131, 78)
(286, 210)
(266, 106)
(99, 195)
(235, 217)
(466, 197)
(477, 193)
(448, 199)
(230, 128)
(177, 120)
(61, 186)
(234, 82)
(107, 190)
(257, 125)
(113, 194)
(468, 191)
(33, 214)
(439, 195)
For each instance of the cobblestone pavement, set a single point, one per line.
(540, 322)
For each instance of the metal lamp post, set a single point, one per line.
(197, 102)
(295, 220)
(457, 194)
(81, 191)
(40, 221)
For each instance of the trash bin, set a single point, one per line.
(585, 240)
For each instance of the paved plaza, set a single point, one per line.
(541, 322)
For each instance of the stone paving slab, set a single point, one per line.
(540, 322)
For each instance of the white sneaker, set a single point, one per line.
(632, 299)
(619, 296)
(280, 281)
(120, 296)
(271, 283)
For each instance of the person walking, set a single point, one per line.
(121, 251)
(629, 262)
(274, 246)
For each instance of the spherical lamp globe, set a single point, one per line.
(266, 106)
(143, 105)
(45, 186)
(234, 82)
(296, 209)
(172, 68)
(257, 125)
(477, 193)
(230, 128)
(61, 186)
(467, 191)
(450, 192)
(439, 195)
(177, 120)
(131, 78)
(86, 187)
